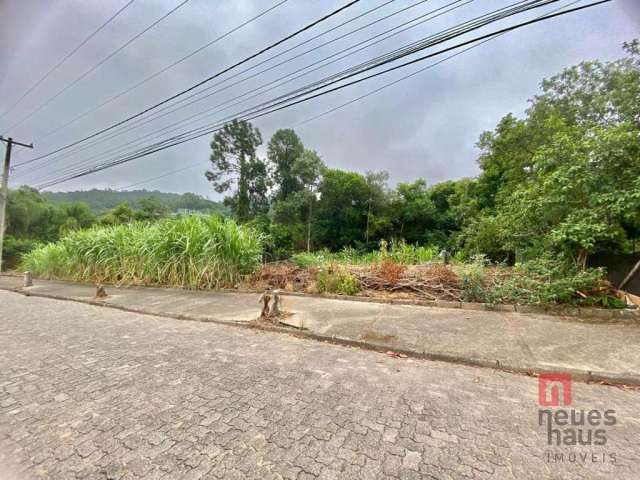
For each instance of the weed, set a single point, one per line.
(191, 252)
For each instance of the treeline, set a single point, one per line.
(101, 201)
(563, 181)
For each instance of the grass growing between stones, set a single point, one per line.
(187, 252)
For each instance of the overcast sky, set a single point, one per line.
(425, 126)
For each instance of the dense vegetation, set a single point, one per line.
(191, 252)
(556, 186)
(101, 201)
(563, 181)
(35, 217)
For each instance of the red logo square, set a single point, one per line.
(554, 389)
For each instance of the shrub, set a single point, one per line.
(546, 281)
(390, 271)
(473, 283)
(311, 259)
(14, 249)
(192, 252)
(335, 279)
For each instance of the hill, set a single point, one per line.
(101, 201)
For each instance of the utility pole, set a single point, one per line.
(4, 194)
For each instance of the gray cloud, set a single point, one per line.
(423, 127)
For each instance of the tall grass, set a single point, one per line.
(398, 251)
(188, 252)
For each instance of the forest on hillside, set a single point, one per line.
(100, 201)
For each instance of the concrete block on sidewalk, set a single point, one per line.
(473, 306)
(446, 304)
(530, 309)
(499, 307)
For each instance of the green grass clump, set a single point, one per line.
(335, 279)
(399, 252)
(188, 252)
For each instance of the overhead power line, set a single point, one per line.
(96, 66)
(65, 58)
(410, 75)
(431, 40)
(160, 177)
(168, 110)
(202, 82)
(164, 69)
(291, 102)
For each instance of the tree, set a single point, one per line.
(234, 162)
(32, 218)
(292, 216)
(564, 178)
(584, 190)
(30, 215)
(413, 211)
(342, 209)
(122, 213)
(377, 222)
(307, 170)
(151, 208)
(285, 147)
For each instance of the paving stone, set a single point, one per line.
(91, 393)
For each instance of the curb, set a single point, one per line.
(568, 313)
(607, 378)
(565, 313)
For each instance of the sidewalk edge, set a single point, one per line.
(607, 378)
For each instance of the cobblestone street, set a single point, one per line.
(94, 393)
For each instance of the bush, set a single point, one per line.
(473, 282)
(390, 271)
(334, 279)
(192, 252)
(13, 250)
(546, 281)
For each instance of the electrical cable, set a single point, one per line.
(206, 80)
(96, 66)
(164, 69)
(439, 38)
(288, 103)
(65, 58)
(137, 125)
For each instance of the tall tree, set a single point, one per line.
(293, 215)
(342, 209)
(307, 170)
(234, 163)
(377, 221)
(284, 148)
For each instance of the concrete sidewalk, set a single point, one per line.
(526, 343)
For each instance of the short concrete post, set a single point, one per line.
(265, 298)
(100, 292)
(28, 280)
(275, 306)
